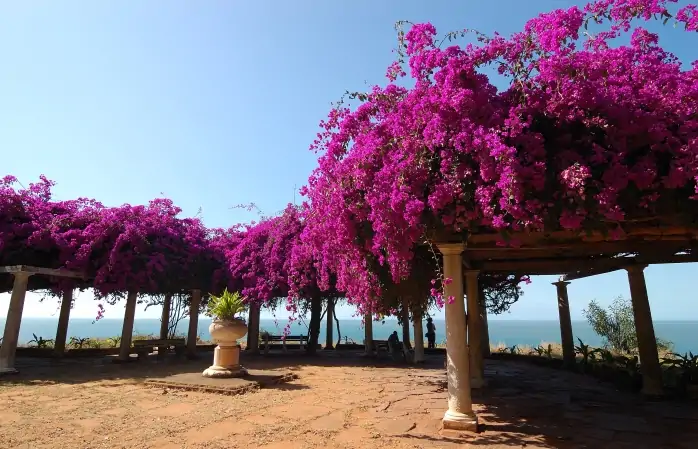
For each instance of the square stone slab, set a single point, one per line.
(255, 380)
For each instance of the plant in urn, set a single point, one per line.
(226, 329)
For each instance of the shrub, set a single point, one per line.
(617, 326)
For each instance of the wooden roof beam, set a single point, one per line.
(563, 266)
(42, 271)
(585, 274)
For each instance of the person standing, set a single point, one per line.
(431, 333)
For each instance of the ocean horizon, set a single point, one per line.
(682, 334)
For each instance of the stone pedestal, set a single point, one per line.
(226, 356)
(226, 363)
(460, 415)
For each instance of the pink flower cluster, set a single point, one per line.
(584, 137)
(148, 249)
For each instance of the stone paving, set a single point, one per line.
(338, 401)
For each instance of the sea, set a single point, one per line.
(683, 334)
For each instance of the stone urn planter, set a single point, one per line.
(226, 356)
(226, 329)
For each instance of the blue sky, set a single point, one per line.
(215, 103)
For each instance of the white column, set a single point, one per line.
(12, 323)
(652, 384)
(368, 333)
(418, 336)
(477, 366)
(460, 415)
(127, 329)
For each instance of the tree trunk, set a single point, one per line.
(329, 338)
(315, 318)
(406, 324)
(339, 331)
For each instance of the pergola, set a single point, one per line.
(20, 285)
(572, 255)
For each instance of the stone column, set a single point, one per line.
(127, 329)
(193, 323)
(63, 320)
(12, 323)
(165, 317)
(485, 326)
(646, 340)
(253, 329)
(329, 338)
(460, 415)
(474, 323)
(566, 335)
(368, 333)
(418, 336)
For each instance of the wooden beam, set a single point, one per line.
(576, 250)
(586, 274)
(42, 271)
(563, 266)
(530, 238)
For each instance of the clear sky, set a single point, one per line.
(215, 103)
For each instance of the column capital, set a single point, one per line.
(635, 268)
(471, 273)
(561, 283)
(451, 249)
(22, 274)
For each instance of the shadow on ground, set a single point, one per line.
(41, 371)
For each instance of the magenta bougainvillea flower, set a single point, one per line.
(585, 136)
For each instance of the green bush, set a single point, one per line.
(617, 326)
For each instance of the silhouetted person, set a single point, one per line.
(394, 346)
(431, 333)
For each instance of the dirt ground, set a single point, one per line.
(339, 401)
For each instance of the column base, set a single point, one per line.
(460, 421)
(5, 371)
(224, 372)
(226, 363)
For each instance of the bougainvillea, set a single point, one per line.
(37, 231)
(586, 136)
(146, 249)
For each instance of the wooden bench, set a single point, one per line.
(145, 347)
(268, 339)
(380, 344)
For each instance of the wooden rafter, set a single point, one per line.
(581, 249)
(586, 274)
(41, 271)
(564, 266)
